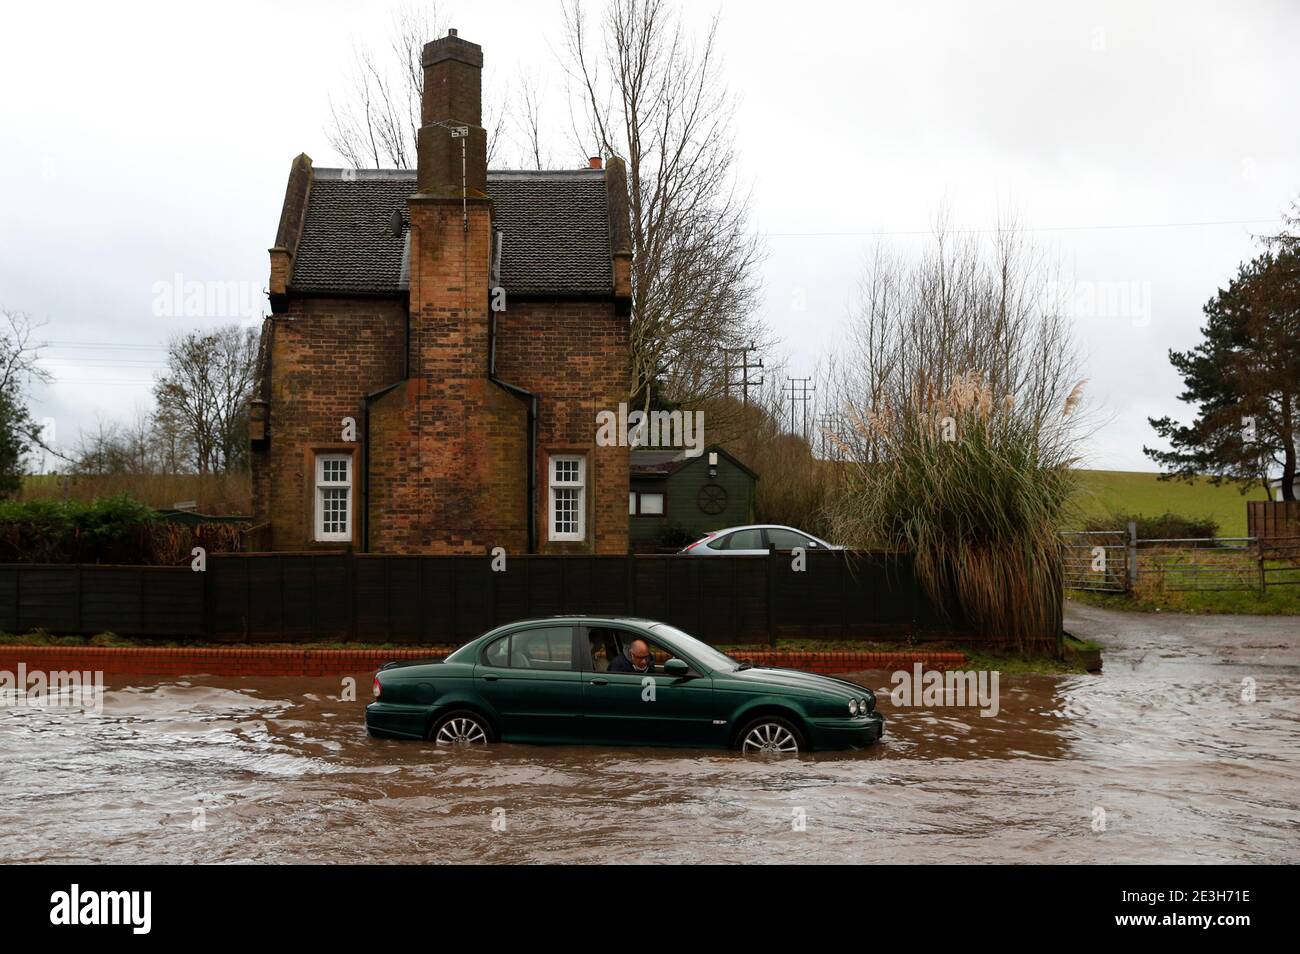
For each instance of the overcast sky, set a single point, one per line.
(141, 141)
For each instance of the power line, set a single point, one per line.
(137, 382)
(112, 345)
(1043, 228)
(104, 361)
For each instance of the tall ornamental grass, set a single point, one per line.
(963, 402)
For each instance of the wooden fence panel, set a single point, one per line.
(88, 600)
(9, 620)
(47, 599)
(1269, 519)
(437, 582)
(473, 597)
(296, 597)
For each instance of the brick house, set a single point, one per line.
(439, 344)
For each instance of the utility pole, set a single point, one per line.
(799, 390)
(744, 367)
(828, 426)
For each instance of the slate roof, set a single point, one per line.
(555, 225)
(654, 463)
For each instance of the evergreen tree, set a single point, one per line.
(1244, 378)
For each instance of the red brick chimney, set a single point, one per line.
(453, 100)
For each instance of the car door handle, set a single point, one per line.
(490, 678)
(600, 682)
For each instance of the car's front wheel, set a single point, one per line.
(462, 728)
(771, 735)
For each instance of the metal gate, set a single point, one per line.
(1096, 560)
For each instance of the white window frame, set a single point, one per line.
(554, 485)
(321, 485)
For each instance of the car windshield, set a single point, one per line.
(702, 652)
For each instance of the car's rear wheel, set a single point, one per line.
(463, 728)
(771, 735)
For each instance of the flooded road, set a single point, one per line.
(1158, 760)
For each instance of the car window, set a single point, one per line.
(717, 543)
(604, 647)
(497, 651)
(783, 539)
(658, 653)
(701, 651)
(547, 648)
(751, 539)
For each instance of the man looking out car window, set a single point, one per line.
(634, 658)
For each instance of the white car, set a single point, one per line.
(756, 539)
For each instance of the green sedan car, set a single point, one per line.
(607, 680)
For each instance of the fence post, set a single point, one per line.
(771, 597)
(350, 562)
(206, 602)
(77, 603)
(1263, 582)
(1132, 555)
(629, 593)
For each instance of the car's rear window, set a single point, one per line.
(550, 648)
(545, 647)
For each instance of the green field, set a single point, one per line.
(1105, 492)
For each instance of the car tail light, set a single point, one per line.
(378, 686)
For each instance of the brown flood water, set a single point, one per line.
(1184, 770)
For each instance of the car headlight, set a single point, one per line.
(853, 707)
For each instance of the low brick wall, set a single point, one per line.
(236, 661)
(853, 661)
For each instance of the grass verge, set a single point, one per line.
(1274, 601)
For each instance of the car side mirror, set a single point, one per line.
(676, 667)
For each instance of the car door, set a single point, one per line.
(530, 679)
(641, 708)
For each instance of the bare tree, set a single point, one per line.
(646, 90)
(19, 351)
(204, 394)
(529, 134)
(373, 125)
(19, 434)
(146, 445)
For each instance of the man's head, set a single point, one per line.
(639, 653)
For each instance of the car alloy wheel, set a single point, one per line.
(461, 729)
(770, 738)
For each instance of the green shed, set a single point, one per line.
(674, 499)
